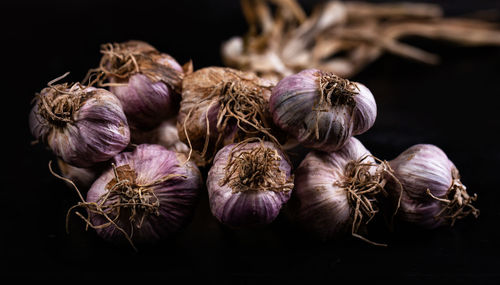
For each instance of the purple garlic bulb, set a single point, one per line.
(248, 183)
(147, 82)
(339, 192)
(148, 195)
(81, 125)
(433, 194)
(221, 106)
(321, 110)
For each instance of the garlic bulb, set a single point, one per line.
(321, 110)
(340, 191)
(148, 195)
(221, 106)
(81, 177)
(248, 183)
(433, 193)
(81, 125)
(167, 136)
(147, 82)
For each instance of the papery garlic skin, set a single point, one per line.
(169, 137)
(323, 207)
(165, 135)
(251, 208)
(294, 102)
(422, 167)
(421, 212)
(95, 132)
(177, 196)
(426, 174)
(202, 115)
(146, 102)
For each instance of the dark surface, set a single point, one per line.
(453, 105)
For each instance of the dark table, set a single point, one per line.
(453, 105)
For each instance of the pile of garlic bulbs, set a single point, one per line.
(138, 135)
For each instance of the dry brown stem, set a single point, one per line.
(246, 105)
(457, 203)
(334, 91)
(343, 38)
(364, 183)
(58, 103)
(257, 169)
(119, 61)
(241, 104)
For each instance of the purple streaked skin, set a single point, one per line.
(421, 212)
(323, 205)
(98, 132)
(251, 208)
(228, 133)
(177, 196)
(422, 167)
(147, 102)
(293, 100)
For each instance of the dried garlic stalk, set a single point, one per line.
(342, 38)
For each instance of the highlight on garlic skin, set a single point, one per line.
(321, 110)
(340, 192)
(433, 194)
(221, 106)
(147, 82)
(248, 183)
(147, 195)
(164, 134)
(81, 125)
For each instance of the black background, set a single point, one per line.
(453, 105)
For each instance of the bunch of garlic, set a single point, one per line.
(136, 134)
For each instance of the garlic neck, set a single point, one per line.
(364, 182)
(336, 91)
(60, 103)
(457, 203)
(257, 169)
(125, 193)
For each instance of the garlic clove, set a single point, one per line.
(365, 110)
(146, 102)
